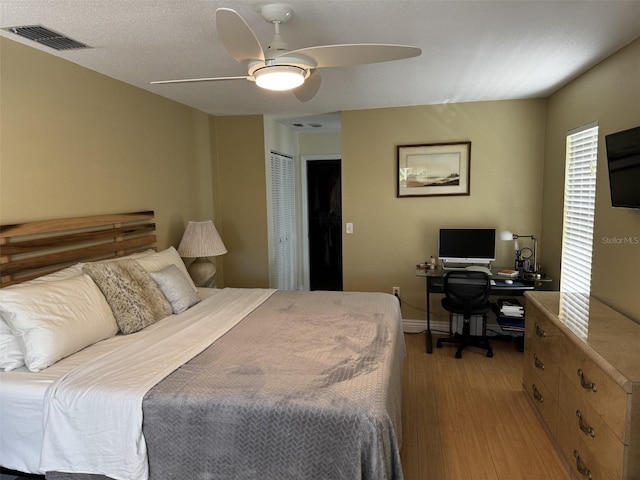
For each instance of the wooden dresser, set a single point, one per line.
(582, 375)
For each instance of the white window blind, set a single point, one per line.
(579, 209)
(283, 243)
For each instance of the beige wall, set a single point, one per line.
(74, 142)
(239, 163)
(329, 143)
(609, 94)
(391, 235)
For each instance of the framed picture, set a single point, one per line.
(434, 169)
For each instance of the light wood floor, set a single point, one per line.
(468, 418)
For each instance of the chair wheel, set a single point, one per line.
(438, 344)
(490, 354)
(458, 354)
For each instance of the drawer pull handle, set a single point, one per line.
(583, 426)
(536, 394)
(537, 362)
(540, 332)
(586, 385)
(580, 466)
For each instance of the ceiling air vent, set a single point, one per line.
(47, 37)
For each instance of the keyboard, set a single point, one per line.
(478, 268)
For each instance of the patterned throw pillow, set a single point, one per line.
(134, 298)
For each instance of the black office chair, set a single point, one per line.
(467, 293)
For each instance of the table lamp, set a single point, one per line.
(506, 235)
(201, 240)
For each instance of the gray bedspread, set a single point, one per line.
(306, 387)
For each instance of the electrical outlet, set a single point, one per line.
(396, 291)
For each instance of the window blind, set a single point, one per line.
(283, 266)
(579, 209)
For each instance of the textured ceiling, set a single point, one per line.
(471, 50)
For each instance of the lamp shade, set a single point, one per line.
(201, 239)
(507, 235)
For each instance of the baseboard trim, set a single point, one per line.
(416, 326)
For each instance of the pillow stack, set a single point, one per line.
(54, 316)
(55, 319)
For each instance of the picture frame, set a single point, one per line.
(434, 169)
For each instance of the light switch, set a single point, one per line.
(349, 227)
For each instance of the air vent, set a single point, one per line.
(47, 37)
(311, 125)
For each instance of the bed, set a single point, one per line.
(138, 374)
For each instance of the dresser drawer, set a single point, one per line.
(541, 397)
(598, 389)
(542, 349)
(592, 429)
(540, 330)
(582, 461)
(547, 371)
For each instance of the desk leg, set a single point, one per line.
(429, 339)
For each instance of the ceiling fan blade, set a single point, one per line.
(237, 37)
(194, 80)
(355, 54)
(309, 88)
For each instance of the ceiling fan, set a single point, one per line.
(277, 68)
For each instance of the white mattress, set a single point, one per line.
(21, 401)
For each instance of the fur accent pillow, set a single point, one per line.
(134, 298)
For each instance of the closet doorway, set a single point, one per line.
(324, 222)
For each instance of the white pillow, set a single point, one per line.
(55, 319)
(69, 272)
(176, 288)
(11, 355)
(158, 261)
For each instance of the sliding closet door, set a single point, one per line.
(282, 266)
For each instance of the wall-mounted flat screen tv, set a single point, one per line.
(623, 159)
(467, 245)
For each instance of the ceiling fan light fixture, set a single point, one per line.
(280, 77)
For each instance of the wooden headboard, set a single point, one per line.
(28, 250)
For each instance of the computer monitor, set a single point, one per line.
(467, 245)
